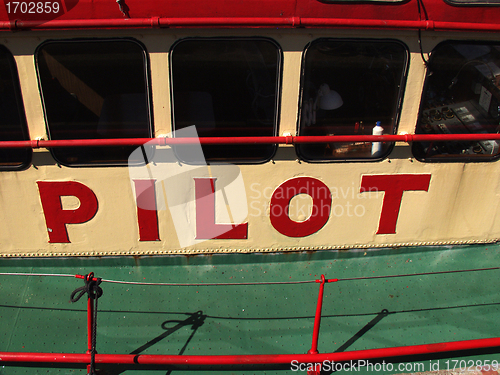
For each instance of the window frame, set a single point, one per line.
(277, 104)
(24, 164)
(147, 87)
(398, 105)
(457, 158)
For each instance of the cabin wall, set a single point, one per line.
(460, 204)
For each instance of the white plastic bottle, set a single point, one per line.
(377, 146)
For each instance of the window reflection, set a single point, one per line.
(350, 87)
(227, 88)
(461, 96)
(94, 90)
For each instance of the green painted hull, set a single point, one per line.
(37, 315)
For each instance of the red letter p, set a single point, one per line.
(56, 217)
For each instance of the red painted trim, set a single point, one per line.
(105, 14)
(268, 22)
(249, 140)
(153, 22)
(264, 359)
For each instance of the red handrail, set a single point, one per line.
(163, 141)
(158, 22)
(256, 359)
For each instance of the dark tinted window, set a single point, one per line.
(227, 88)
(94, 89)
(12, 119)
(348, 86)
(461, 96)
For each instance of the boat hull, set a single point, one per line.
(383, 298)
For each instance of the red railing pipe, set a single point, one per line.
(248, 140)
(317, 320)
(293, 21)
(317, 316)
(265, 359)
(90, 319)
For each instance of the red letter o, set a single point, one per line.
(280, 202)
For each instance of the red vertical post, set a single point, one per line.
(317, 317)
(90, 311)
(317, 322)
(89, 329)
(90, 321)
